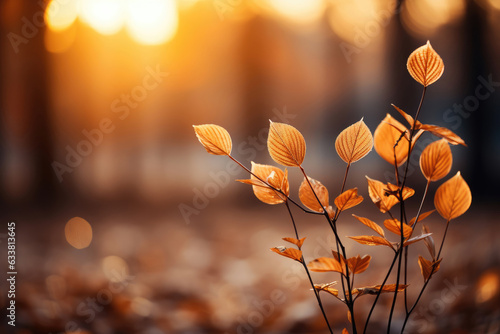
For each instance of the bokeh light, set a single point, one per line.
(78, 233)
(60, 15)
(423, 17)
(298, 11)
(58, 41)
(105, 16)
(115, 268)
(152, 22)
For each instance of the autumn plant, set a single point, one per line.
(394, 142)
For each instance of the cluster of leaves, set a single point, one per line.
(393, 142)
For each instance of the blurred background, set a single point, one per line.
(97, 103)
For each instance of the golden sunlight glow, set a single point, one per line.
(298, 11)
(59, 41)
(424, 17)
(59, 16)
(105, 16)
(115, 268)
(488, 287)
(369, 22)
(152, 21)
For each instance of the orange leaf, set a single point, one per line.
(214, 138)
(429, 242)
(374, 226)
(453, 198)
(348, 199)
(344, 331)
(372, 240)
(425, 65)
(436, 160)
(286, 144)
(377, 192)
(417, 238)
(308, 198)
(394, 226)
(339, 257)
(421, 217)
(296, 242)
(291, 253)
(444, 133)
(359, 264)
(326, 264)
(393, 190)
(354, 143)
(428, 268)
(387, 134)
(373, 290)
(407, 117)
(327, 287)
(274, 177)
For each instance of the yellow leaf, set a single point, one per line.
(327, 287)
(348, 199)
(387, 134)
(425, 65)
(421, 217)
(274, 177)
(296, 242)
(436, 160)
(453, 197)
(444, 133)
(286, 144)
(374, 226)
(394, 226)
(354, 143)
(359, 264)
(308, 198)
(372, 240)
(291, 253)
(428, 268)
(326, 264)
(214, 138)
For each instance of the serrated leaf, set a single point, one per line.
(214, 138)
(326, 264)
(421, 217)
(372, 240)
(354, 143)
(425, 65)
(306, 195)
(358, 264)
(291, 253)
(348, 199)
(286, 144)
(444, 133)
(394, 226)
(327, 287)
(296, 242)
(417, 238)
(453, 198)
(385, 137)
(428, 268)
(274, 177)
(374, 226)
(436, 160)
(429, 242)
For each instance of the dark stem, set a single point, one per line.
(316, 293)
(332, 224)
(427, 281)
